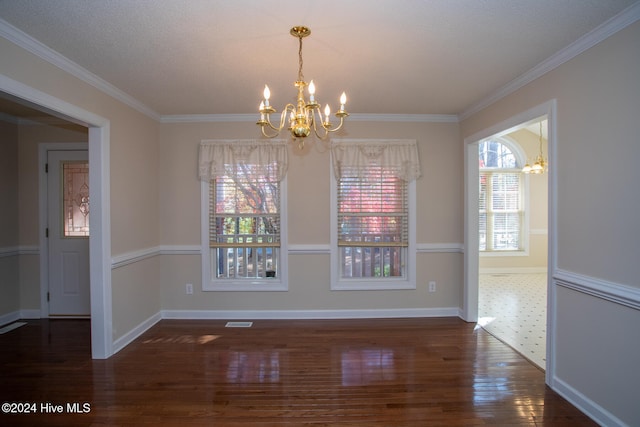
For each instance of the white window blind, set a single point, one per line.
(372, 221)
(501, 215)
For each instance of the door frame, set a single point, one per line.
(100, 223)
(471, 258)
(43, 214)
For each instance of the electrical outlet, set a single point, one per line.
(432, 286)
(189, 289)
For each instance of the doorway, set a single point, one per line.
(474, 264)
(513, 238)
(68, 213)
(99, 242)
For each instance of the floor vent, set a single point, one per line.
(238, 324)
(11, 327)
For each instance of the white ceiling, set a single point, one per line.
(185, 57)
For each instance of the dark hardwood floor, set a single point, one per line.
(383, 372)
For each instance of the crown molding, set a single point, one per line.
(592, 38)
(600, 33)
(208, 118)
(44, 52)
(355, 117)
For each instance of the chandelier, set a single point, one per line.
(540, 165)
(304, 115)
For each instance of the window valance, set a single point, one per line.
(397, 155)
(216, 156)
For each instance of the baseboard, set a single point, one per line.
(34, 313)
(513, 270)
(594, 411)
(11, 317)
(130, 336)
(310, 314)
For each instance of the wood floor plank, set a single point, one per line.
(364, 372)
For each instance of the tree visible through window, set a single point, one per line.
(372, 223)
(501, 212)
(244, 222)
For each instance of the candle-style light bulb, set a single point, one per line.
(312, 91)
(327, 112)
(343, 100)
(267, 95)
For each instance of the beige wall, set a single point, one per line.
(439, 220)
(598, 100)
(9, 239)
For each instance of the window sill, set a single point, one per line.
(504, 253)
(246, 286)
(373, 285)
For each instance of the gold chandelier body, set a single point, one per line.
(304, 116)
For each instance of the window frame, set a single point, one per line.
(520, 157)
(211, 283)
(372, 283)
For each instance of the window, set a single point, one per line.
(373, 216)
(242, 228)
(501, 199)
(372, 223)
(244, 223)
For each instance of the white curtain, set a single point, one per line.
(216, 156)
(397, 155)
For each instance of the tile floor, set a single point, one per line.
(513, 308)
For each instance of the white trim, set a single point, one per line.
(513, 270)
(134, 333)
(610, 291)
(296, 249)
(590, 408)
(9, 251)
(309, 249)
(11, 317)
(19, 250)
(440, 248)
(592, 38)
(142, 254)
(133, 257)
(30, 313)
(49, 55)
(29, 250)
(311, 314)
(180, 250)
(353, 117)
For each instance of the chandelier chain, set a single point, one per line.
(300, 75)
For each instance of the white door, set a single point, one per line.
(68, 231)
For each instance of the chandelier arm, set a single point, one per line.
(315, 128)
(283, 118)
(338, 127)
(262, 128)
